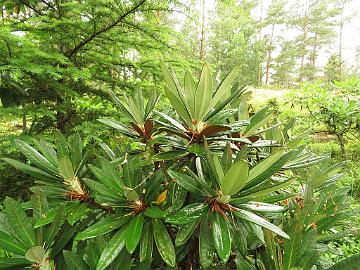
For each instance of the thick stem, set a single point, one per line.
(342, 144)
(24, 122)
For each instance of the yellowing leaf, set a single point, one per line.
(162, 197)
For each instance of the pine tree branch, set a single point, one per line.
(25, 3)
(103, 30)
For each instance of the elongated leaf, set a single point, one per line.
(102, 189)
(62, 145)
(242, 264)
(50, 216)
(185, 233)
(102, 227)
(268, 167)
(189, 213)
(146, 243)
(39, 203)
(92, 254)
(188, 183)
(77, 213)
(154, 212)
(257, 120)
(64, 236)
(109, 176)
(55, 226)
(76, 149)
(221, 236)
(123, 261)
(235, 179)
(120, 105)
(119, 127)
(178, 105)
(74, 261)
(20, 221)
(10, 244)
(275, 187)
(350, 263)
(11, 263)
(172, 121)
(226, 159)
(134, 109)
(34, 172)
(66, 169)
(236, 93)
(133, 232)
(151, 104)
(190, 92)
(163, 242)
(246, 215)
(169, 79)
(35, 157)
(224, 87)
(203, 93)
(206, 246)
(262, 207)
(218, 168)
(112, 250)
(48, 151)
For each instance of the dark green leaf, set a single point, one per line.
(146, 243)
(9, 263)
(188, 214)
(20, 222)
(221, 236)
(188, 183)
(185, 232)
(74, 261)
(104, 226)
(163, 242)
(112, 250)
(154, 212)
(206, 246)
(55, 226)
(133, 232)
(10, 244)
(350, 263)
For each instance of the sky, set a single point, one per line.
(351, 31)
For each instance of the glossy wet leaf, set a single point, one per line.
(163, 242)
(187, 182)
(133, 232)
(251, 217)
(112, 250)
(188, 214)
(206, 245)
(102, 227)
(146, 243)
(185, 233)
(221, 236)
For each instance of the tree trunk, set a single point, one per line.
(268, 59)
(24, 122)
(260, 29)
(342, 144)
(340, 42)
(202, 38)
